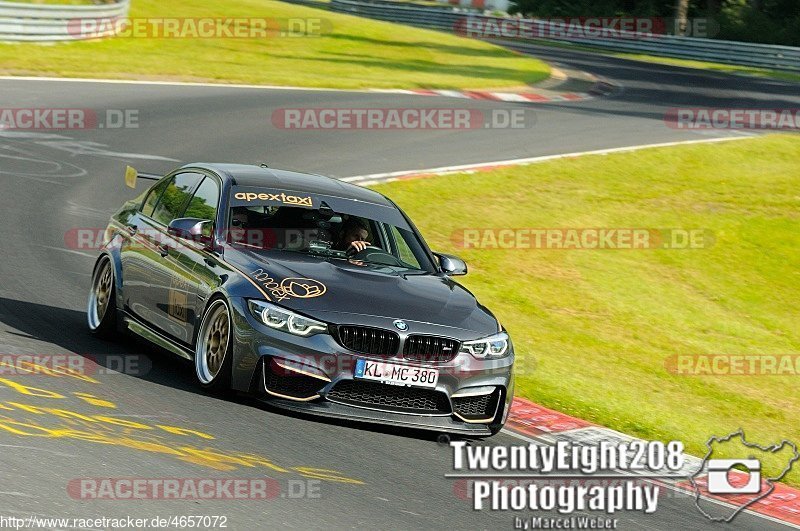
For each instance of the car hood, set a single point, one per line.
(336, 290)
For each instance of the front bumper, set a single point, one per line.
(315, 375)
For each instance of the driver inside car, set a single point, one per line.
(353, 236)
(239, 225)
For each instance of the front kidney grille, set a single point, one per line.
(382, 396)
(367, 340)
(430, 348)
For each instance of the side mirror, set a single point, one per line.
(194, 229)
(451, 265)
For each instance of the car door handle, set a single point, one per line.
(132, 229)
(163, 250)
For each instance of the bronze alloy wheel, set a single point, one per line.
(101, 306)
(213, 342)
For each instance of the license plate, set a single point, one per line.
(396, 374)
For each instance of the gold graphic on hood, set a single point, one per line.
(299, 288)
(302, 288)
(282, 197)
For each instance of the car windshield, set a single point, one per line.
(327, 235)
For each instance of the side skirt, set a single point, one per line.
(142, 330)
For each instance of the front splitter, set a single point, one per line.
(438, 423)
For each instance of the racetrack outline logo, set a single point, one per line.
(769, 480)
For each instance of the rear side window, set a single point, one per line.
(152, 198)
(176, 196)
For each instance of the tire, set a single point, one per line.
(213, 353)
(101, 311)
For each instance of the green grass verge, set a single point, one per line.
(357, 53)
(594, 328)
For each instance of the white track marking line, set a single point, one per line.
(392, 91)
(510, 96)
(62, 249)
(451, 93)
(525, 438)
(535, 160)
(35, 449)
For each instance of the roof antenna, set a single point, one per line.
(263, 165)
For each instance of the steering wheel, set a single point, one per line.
(351, 251)
(374, 255)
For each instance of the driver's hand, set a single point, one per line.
(358, 246)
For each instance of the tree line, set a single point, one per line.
(764, 21)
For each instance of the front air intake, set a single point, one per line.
(389, 397)
(477, 408)
(287, 381)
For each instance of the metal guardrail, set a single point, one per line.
(728, 52)
(50, 22)
(319, 4)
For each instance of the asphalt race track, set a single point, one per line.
(162, 425)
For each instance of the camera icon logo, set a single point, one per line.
(719, 481)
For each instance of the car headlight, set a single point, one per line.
(495, 346)
(283, 319)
